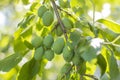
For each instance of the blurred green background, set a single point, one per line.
(12, 12)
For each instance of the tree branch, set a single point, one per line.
(110, 43)
(59, 20)
(66, 12)
(116, 39)
(56, 25)
(67, 72)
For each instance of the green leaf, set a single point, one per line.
(44, 31)
(25, 2)
(9, 62)
(17, 33)
(39, 26)
(89, 53)
(78, 6)
(110, 24)
(27, 34)
(19, 46)
(26, 20)
(113, 67)
(63, 3)
(43, 63)
(29, 70)
(105, 77)
(33, 6)
(29, 18)
(28, 44)
(109, 34)
(76, 3)
(4, 43)
(82, 68)
(102, 63)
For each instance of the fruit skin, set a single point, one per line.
(77, 60)
(59, 31)
(67, 23)
(47, 18)
(39, 53)
(68, 53)
(48, 41)
(37, 41)
(49, 55)
(41, 11)
(58, 45)
(75, 36)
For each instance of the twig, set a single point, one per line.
(67, 72)
(66, 12)
(91, 76)
(56, 25)
(116, 39)
(110, 43)
(59, 20)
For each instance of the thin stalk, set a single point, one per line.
(59, 19)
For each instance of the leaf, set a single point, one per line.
(105, 77)
(4, 43)
(19, 46)
(27, 33)
(26, 20)
(78, 6)
(17, 33)
(82, 68)
(102, 63)
(29, 18)
(9, 62)
(28, 44)
(25, 2)
(43, 63)
(109, 34)
(39, 26)
(113, 67)
(44, 31)
(89, 53)
(33, 6)
(76, 3)
(110, 24)
(29, 70)
(93, 29)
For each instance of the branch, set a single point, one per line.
(116, 39)
(67, 72)
(59, 20)
(110, 43)
(66, 12)
(56, 25)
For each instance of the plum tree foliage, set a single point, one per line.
(61, 27)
